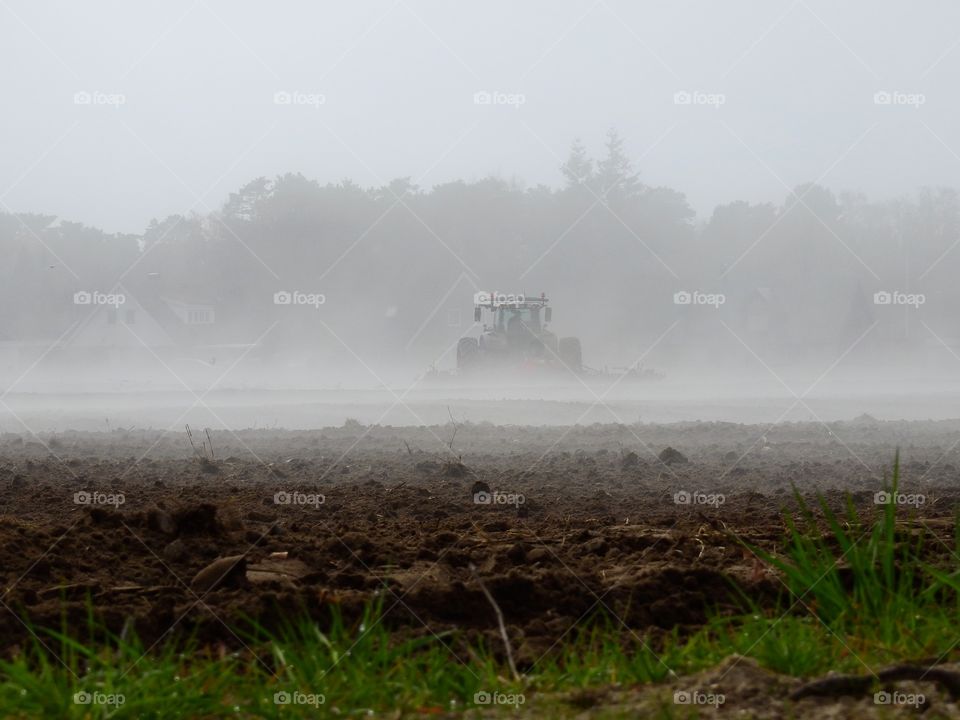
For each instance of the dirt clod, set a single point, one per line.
(670, 456)
(222, 572)
(455, 469)
(479, 487)
(631, 459)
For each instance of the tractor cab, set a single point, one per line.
(515, 333)
(517, 317)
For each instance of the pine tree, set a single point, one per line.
(578, 169)
(615, 175)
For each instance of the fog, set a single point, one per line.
(242, 215)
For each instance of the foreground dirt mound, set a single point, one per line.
(738, 687)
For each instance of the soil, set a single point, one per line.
(558, 523)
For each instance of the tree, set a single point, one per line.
(578, 169)
(616, 178)
(397, 189)
(242, 204)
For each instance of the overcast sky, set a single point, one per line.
(114, 113)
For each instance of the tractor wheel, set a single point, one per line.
(570, 354)
(468, 353)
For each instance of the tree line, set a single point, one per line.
(398, 264)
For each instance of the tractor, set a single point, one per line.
(515, 336)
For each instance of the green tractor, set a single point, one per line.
(515, 336)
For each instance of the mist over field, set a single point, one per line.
(749, 203)
(569, 359)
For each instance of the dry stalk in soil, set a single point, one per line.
(503, 627)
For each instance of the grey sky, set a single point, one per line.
(199, 81)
